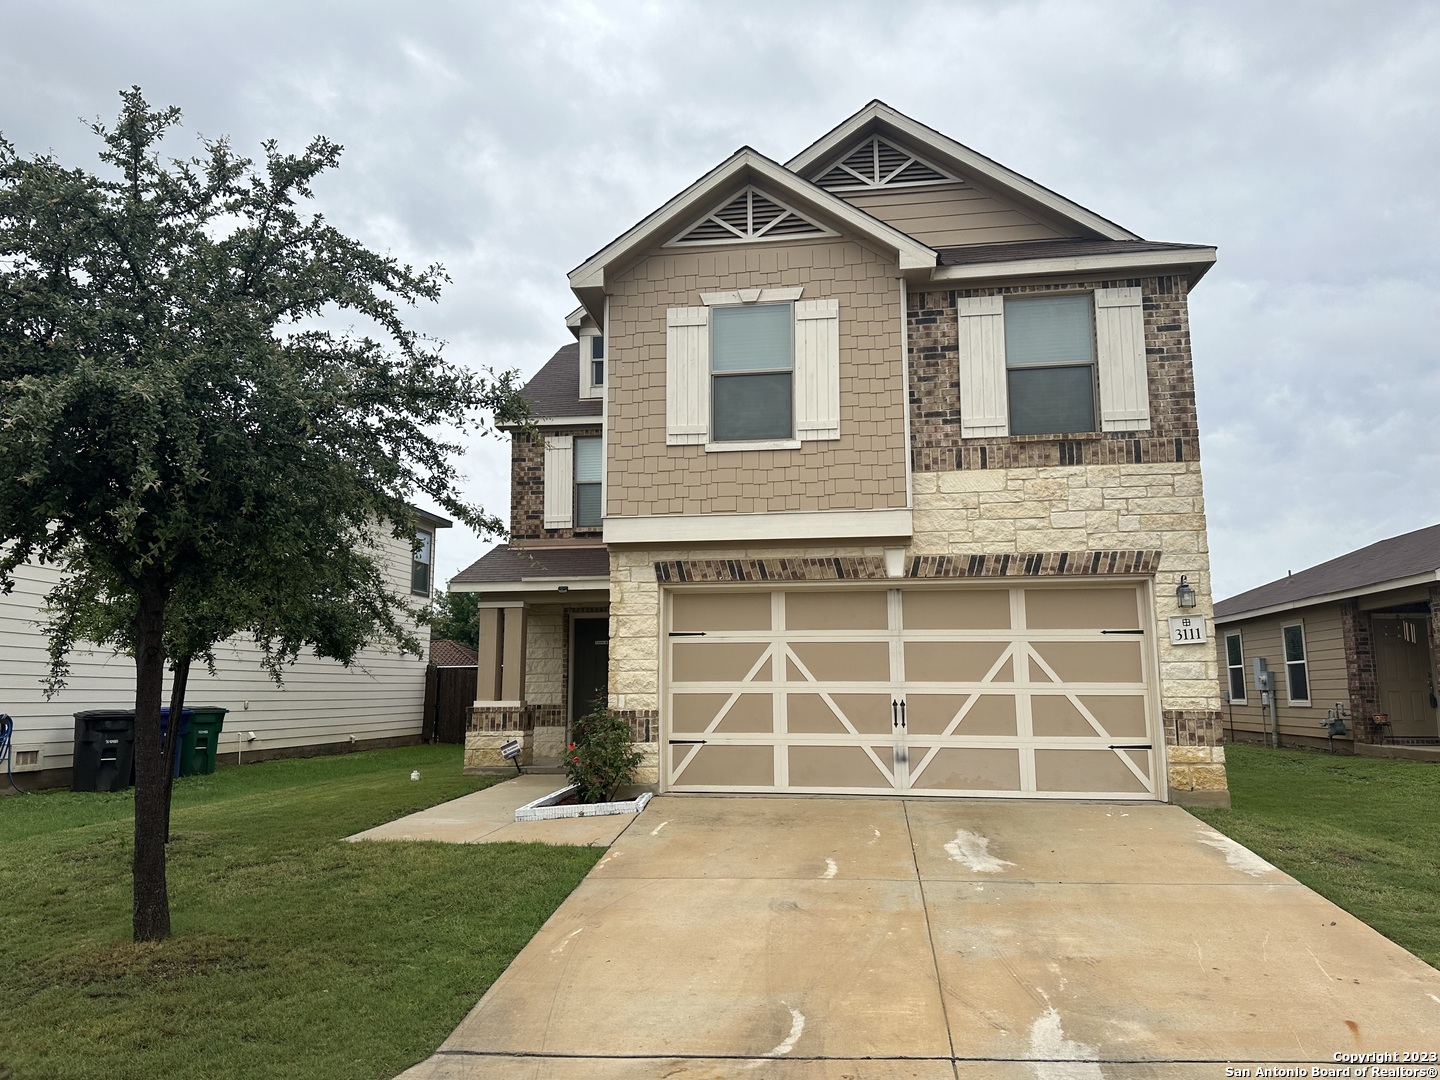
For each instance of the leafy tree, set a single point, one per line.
(180, 427)
(455, 616)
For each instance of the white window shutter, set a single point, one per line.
(687, 375)
(1120, 351)
(984, 399)
(817, 369)
(559, 481)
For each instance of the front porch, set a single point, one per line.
(543, 648)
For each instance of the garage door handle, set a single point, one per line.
(687, 633)
(894, 713)
(1122, 631)
(902, 716)
(687, 742)
(1131, 746)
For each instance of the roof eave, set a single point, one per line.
(959, 157)
(1329, 598)
(536, 585)
(1194, 263)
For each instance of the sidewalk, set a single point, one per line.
(488, 817)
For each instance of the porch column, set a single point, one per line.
(1435, 642)
(488, 649)
(1360, 671)
(512, 664)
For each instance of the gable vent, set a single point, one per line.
(878, 163)
(751, 215)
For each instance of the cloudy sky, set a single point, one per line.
(511, 140)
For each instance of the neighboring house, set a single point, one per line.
(448, 654)
(876, 471)
(321, 706)
(1358, 637)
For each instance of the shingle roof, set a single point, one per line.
(447, 653)
(505, 563)
(1399, 557)
(554, 392)
(1053, 249)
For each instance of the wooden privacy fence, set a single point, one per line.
(449, 693)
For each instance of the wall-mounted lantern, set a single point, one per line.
(1184, 594)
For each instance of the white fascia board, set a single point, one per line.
(1330, 598)
(593, 420)
(576, 319)
(1203, 258)
(655, 228)
(963, 159)
(815, 525)
(536, 585)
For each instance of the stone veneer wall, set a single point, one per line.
(545, 633)
(1173, 434)
(1147, 519)
(527, 487)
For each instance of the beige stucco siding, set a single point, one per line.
(949, 216)
(862, 470)
(1325, 663)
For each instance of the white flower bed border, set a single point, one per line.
(543, 808)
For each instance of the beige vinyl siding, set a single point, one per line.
(1325, 667)
(950, 215)
(380, 697)
(862, 469)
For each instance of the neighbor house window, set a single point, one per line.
(1050, 364)
(1235, 665)
(420, 560)
(597, 361)
(751, 364)
(1297, 678)
(589, 453)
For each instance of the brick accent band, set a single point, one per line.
(860, 568)
(1035, 564)
(1193, 727)
(515, 717)
(644, 724)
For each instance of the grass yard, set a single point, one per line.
(1360, 831)
(294, 955)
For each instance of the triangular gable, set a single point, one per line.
(946, 156)
(719, 187)
(749, 216)
(876, 162)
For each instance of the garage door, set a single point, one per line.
(1033, 691)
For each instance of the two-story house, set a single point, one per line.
(873, 472)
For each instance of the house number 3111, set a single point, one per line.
(1187, 630)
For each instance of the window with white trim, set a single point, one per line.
(753, 369)
(589, 459)
(752, 363)
(422, 556)
(1235, 667)
(1297, 673)
(1052, 365)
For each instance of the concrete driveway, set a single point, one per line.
(799, 938)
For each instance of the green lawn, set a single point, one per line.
(294, 954)
(1363, 832)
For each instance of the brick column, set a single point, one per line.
(1435, 639)
(1360, 671)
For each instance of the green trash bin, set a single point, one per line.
(200, 741)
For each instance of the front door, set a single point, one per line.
(590, 665)
(1407, 687)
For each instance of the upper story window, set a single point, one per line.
(1050, 365)
(597, 361)
(589, 455)
(421, 559)
(751, 364)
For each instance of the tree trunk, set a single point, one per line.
(152, 904)
(179, 679)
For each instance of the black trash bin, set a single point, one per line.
(104, 750)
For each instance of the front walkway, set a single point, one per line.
(488, 817)
(799, 938)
